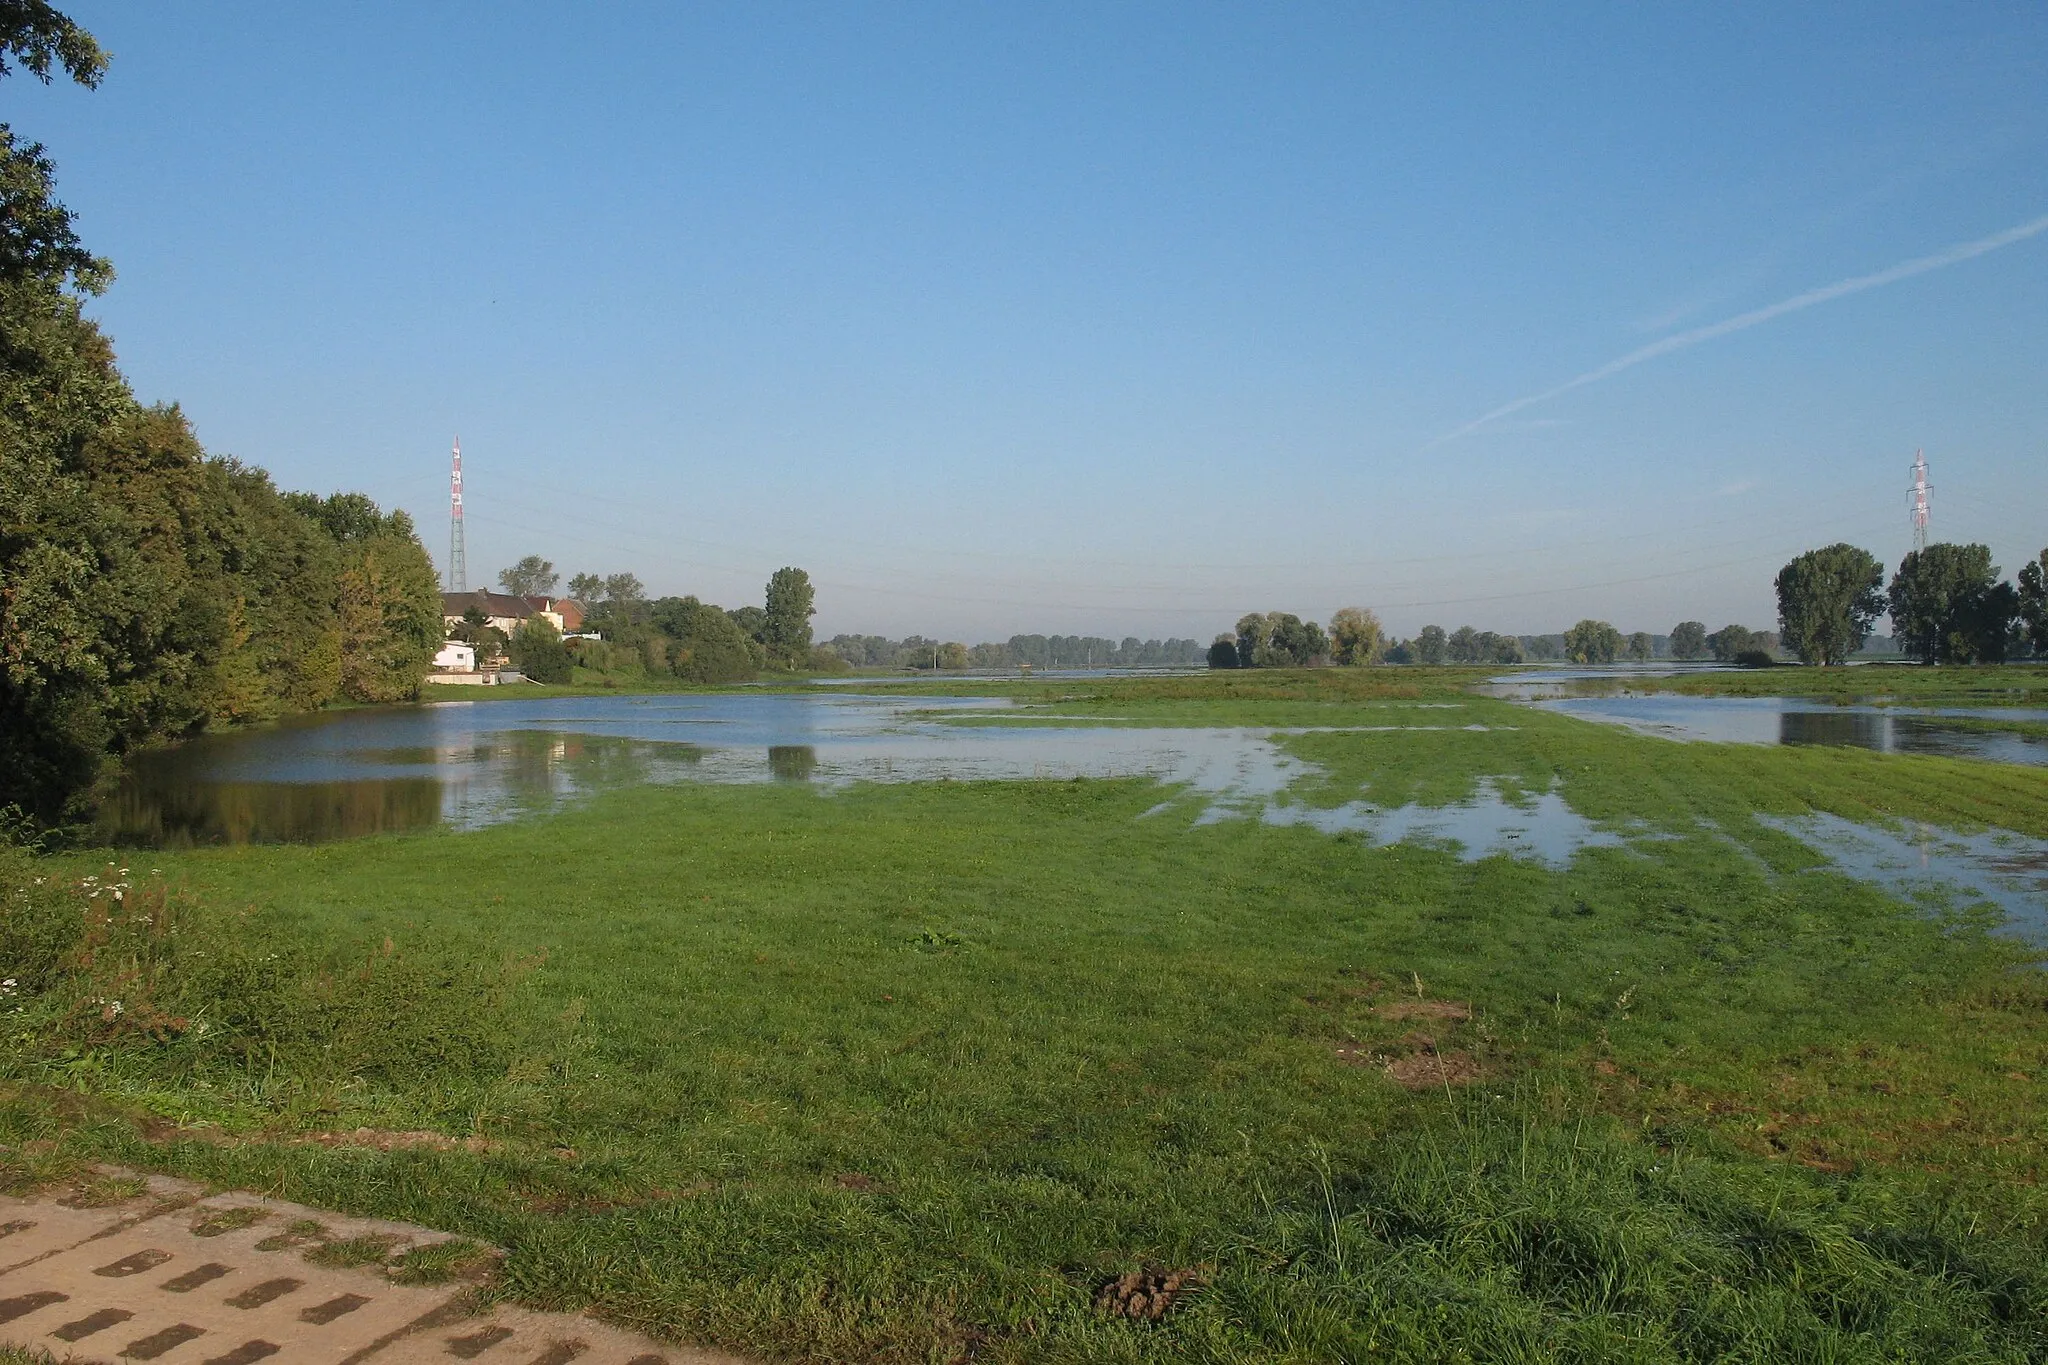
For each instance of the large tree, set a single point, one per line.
(1827, 599)
(1948, 605)
(1592, 642)
(1688, 640)
(1356, 636)
(786, 627)
(1641, 647)
(2033, 602)
(530, 577)
(1430, 645)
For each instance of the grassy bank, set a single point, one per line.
(943, 1072)
(1903, 684)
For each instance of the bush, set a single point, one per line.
(1754, 658)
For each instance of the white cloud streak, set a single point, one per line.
(1742, 322)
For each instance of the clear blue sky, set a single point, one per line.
(1104, 318)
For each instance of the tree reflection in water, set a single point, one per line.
(166, 799)
(792, 762)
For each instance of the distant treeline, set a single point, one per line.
(1283, 640)
(148, 590)
(1035, 651)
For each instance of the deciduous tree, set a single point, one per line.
(1827, 599)
(2033, 602)
(786, 626)
(530, 577)
(1948, 605)
(1688, 640)
(1356, 637)
(1431, 645)
(1592, 642)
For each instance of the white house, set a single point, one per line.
(456, 656)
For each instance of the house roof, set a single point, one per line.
(505, 606)
(490, 603)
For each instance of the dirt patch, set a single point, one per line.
(1400, 1010)
(854, 1180)
(1430, 1069)
(385, 1140)
(1145, 1295)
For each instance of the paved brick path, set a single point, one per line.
(174, 1276)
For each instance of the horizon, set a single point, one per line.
(1092, 322)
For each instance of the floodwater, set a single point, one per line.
(1537, 826)
(1922, 863)
(1949, 732)
(465, 765)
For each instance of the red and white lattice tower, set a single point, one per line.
(458, 568)
(1919, 491)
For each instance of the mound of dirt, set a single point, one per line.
(1428, 1069)
(1145, 1295)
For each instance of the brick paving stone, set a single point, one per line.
(177, 1276)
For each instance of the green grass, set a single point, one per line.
(909, 1072)
(1898, 684)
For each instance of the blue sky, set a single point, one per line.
(1118, 319)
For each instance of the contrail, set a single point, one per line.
(1920, 265)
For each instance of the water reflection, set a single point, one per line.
(1920, 862)
(1539, 827)
(1950, 732)
(468, 764)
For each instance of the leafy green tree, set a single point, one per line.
(752, 621)
(586, 588)
(1688, 640)
(1463, 646)
(1292, 642)
(1254, 632)
(1827, 599)
(390, 614)
(1641, 648)
(2033, 602)
(1223, 652)
(1431, 645)
(1356, 637)
(530, 577)
(786, 631)
(1948, 605)
(1592, 642)
(538, 652)
(707, 646)
(623, 588)
(1732, 640)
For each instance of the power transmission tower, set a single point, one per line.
(458, 567)
(1920, 490)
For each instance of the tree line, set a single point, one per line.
(147, 588)
(1032, 651)
(1283, 640)
(679, 637)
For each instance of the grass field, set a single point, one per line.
(993, 1071)
(1901, 684)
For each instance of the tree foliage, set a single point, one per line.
(1641, 647)
(147, 590)
(2033, 602)
(1827, 599)
(786, 623)
(537, 651)
(530, 577)
(1592, 642)
(1431, 645)
(1688, 640)
(1948, 605)
(1356, 637)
